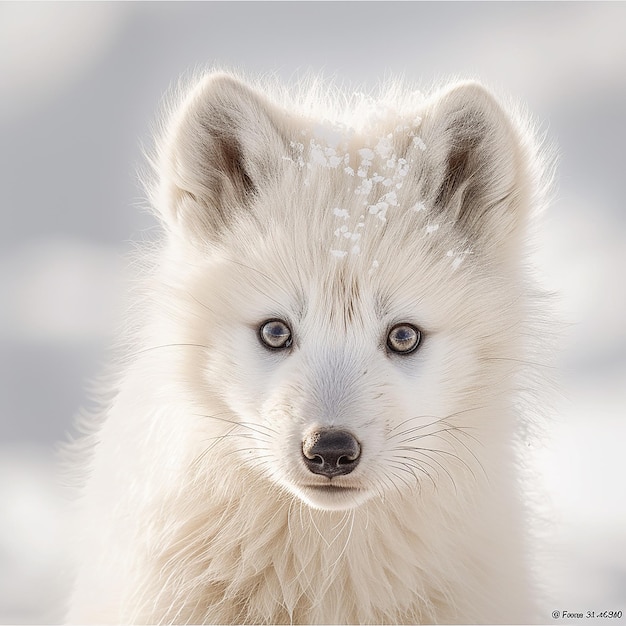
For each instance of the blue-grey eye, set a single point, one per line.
(275, 334)
(403, 338)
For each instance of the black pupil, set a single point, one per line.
(403, 339)
(276, 333)
(404, 334)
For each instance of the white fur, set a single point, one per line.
(342, 215)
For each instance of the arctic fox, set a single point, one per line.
(316, 418)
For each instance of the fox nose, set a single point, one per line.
(331, 452)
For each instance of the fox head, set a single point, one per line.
(348, 283)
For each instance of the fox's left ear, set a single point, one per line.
(477, 168)
(223, 143)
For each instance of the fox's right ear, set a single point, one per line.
(222, 144)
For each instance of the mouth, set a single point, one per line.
(331, 497)
(332, 488)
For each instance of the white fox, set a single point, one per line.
(316, 419)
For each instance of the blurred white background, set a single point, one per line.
(79, 88)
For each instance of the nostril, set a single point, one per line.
(331, 452)
(344, 460)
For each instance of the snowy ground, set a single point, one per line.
(31, 537)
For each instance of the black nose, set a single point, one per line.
(331, 452)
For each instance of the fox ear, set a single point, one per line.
(477, 174)
(221, 146)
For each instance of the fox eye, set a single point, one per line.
(403, 338)
(275, 334)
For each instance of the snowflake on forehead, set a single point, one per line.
(458, 256)
(376, 172)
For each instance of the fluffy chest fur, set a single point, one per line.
(252, 555)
